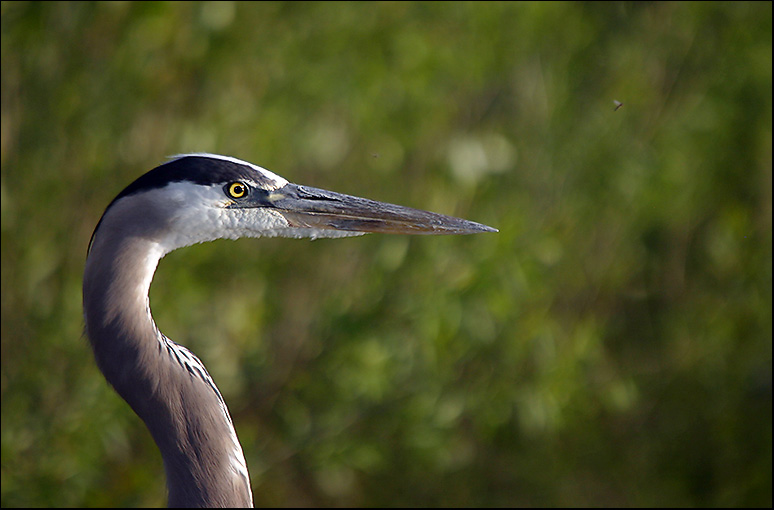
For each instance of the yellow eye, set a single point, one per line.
(237, 190)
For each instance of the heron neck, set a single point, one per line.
(164, 383)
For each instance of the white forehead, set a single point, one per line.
(276, 180)
(184, 194)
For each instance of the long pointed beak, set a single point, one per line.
(308, 207)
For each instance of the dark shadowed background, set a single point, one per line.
(610, 346)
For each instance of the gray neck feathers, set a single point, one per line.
(163, 382)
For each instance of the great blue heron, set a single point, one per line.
(192, 199)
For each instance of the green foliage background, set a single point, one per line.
(611, 345)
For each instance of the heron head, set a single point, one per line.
(202, 197)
